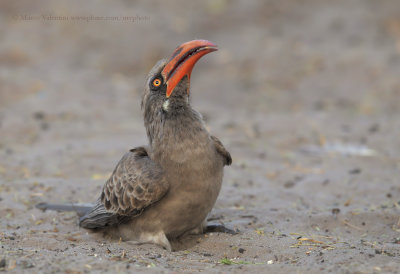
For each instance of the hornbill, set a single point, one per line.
(166, 189)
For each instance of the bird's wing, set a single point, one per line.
(136, 183)
(221, 150)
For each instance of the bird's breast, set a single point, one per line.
(194, 172)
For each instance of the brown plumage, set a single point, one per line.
(136, 183)
(164, 190)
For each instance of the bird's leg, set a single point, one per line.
(162, 240)
(153, 238)
(220, 228)
(199, 229)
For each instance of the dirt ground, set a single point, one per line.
(304, 94)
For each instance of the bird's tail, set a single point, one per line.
(92, 216)
(81, 209)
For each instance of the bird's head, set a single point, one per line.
(168, 82)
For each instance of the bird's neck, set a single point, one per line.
(176, 134)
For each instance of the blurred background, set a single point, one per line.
(304, 94)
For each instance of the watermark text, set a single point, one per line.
(82, 18)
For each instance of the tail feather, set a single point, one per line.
(81, 209)
(98, 217)
(92, 216)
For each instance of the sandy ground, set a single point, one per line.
(304, 94)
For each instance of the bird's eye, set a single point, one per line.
(156, 82)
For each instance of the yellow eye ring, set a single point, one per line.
(156, 82)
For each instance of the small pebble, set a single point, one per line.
(289, 184)
(355, 171)
(38, 115)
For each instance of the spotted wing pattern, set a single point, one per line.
(136, 183)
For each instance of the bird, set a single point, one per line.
(165, 189)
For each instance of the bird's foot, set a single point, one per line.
(159, 239)
(220, 228)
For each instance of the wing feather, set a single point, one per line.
(136, 183)
(221, 150)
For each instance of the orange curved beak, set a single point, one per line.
(183, 60)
